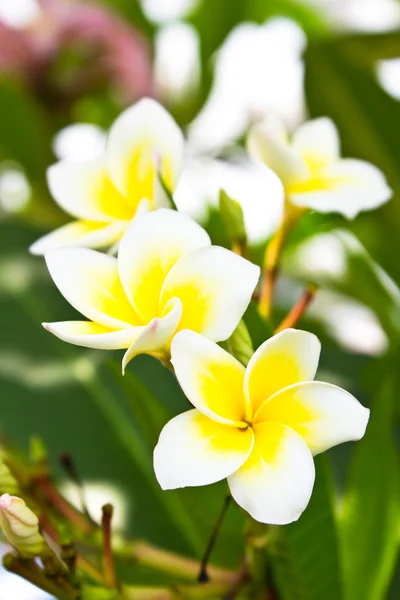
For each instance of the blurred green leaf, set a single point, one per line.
(24, 134)
(304, 556)
(369, 523)
(341, 83)
(232, 217)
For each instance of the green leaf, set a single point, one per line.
(232, 217)
(341, 83)
(304, 556)
(240, 344)
(258, 328)
(369, 523)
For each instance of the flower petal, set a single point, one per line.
(92, 335)
(89, 281)
(323, 414)
(84, 190)
(144, 140)
(275, 483)
(153, 243)
(215, 287)
(89, 234)
(288, 357)
(194, 450)
(350, 186)
(317, 141)
(269, 143)
(211, 378)
(155, 338)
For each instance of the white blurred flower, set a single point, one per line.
(177, 62)
(388, 74)
(19, 13)
(79, 141)
(159, 11)
(361, 15)
(257, 70)
(97, 494)
(15, 190)
(256, 188)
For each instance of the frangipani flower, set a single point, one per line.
(312, 171)
(20, 526)
(104, 194)
(259, 426)
(167, 277)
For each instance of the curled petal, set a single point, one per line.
(193, 450)
(211, 378)
(317, 141)
(348, 187)
(155, 338)
(275, 484)
(288, 357)
(88, 234)
(84, 190)
(153, 243)
(89, 281)
(269, 143)
(215, 287)
(144, 141)
(323, 414)
(93, 335)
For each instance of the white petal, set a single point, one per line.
(84, 190)
(215, 287)
(92, 335)
(267, 141)
(89, 281)
(88, 234)
(144, 140)
(155, 338)
(153, 243)
(288, 357)
(211, 378)
(275, 483)
(317, 140)
(323, 414)
(194, 450)
(352, 186)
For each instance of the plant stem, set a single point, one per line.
(272, 258)
(298, 309)
(31, 572)
(164, 561)
(108, 557)
(203, 573)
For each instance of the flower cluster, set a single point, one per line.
(172, 294)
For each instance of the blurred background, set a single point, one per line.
(67, 68)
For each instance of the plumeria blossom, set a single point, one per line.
(167, 277)
(258, 426)
(104, 194)
(312, 171)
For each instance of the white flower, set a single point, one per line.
(20, 526)
(312, 171)
(258, 191)
(104, 194)
(167, 277)
(259, 427)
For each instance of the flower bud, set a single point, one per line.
(20, 526)
(8, 483)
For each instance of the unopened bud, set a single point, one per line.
(8, 483)
(20, 526)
